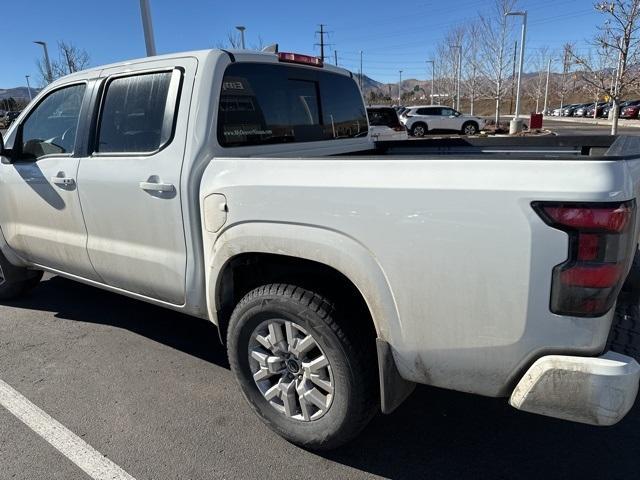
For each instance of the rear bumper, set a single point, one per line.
(596, 391)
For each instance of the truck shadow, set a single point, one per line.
(434, 434)
(75, 301)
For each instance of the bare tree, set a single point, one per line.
(616, 40)
(69, 59)
(495, 61)
(473, 73)
(447, 61)
(233, 40)
(534, 87)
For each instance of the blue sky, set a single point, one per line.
(393, 35)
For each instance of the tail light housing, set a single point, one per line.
(600, 250)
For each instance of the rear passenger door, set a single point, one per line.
(431, 116)
(130, 183)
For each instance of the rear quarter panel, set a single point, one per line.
(467, 261)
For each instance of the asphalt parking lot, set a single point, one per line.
(151, 390)
(576, 128)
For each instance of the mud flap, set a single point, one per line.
(393, 388)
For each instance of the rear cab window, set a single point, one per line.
(264, 104)
(138, 113)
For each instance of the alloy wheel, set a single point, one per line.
(291, 370)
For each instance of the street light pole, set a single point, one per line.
(29, 87)
(400, 88)
(433, 78)
(458, 74)
(241, 29)
(147, 25)
(516, 123)
(546, 89)
(46, 60)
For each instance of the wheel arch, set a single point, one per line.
(296, 249)
(331, 255)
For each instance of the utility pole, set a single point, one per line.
(458, 74)
(516, 125)
(335, 54)
(29, 87)
(433, 78)
(360, 70)
(241, 29)
(400, 88)
(46, 60)
(322, 33)
(147, 25)
(546, 89)
(513, 77)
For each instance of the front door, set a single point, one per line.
(130, 184)
(40, 210)
(449, 120)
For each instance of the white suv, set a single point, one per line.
(422, 119)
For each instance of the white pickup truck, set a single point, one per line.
(243, 188)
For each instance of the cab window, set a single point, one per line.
(267, 104)
(50, 129)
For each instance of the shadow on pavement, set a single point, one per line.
(435, 434)
(75, 301)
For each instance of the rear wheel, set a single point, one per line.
(470, 128)
(15, 281)
(308, 378)
(419, 129)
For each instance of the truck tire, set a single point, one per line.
(305, 372)
(15, 281)
(419, 129)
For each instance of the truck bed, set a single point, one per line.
(601, 147)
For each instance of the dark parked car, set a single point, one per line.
(607, 109)
(582, 110)
(596, 108)
(630, 110)
(570, 110)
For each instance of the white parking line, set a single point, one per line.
(61, 438)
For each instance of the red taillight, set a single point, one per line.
(600, 250)
(599, 276)
(612, 219)
(299, 58)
